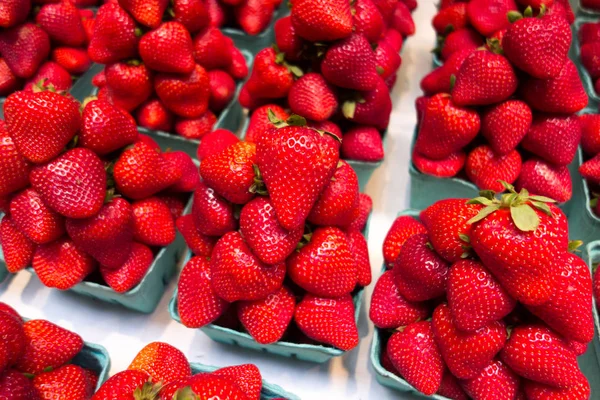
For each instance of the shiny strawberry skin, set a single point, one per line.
(34, 218)
(153, 224)
(222, 90)
(131, 272)
(246, 376)
(213, 215)
(539, 391)
(153, 114)
(489, 16)
(192, 14)
(17, 249)
(254, 16)
(496, 380)
(69, 382)
(121, 386)
(129, 84)
(24, 48)
(16, 386)
(239, 67)
(444, 168)
(554, 138)
(438, 80)
(269, 80)
(211, 386)
(362, 143)
(212, 50)
(163, 362)
(403, 228)
(53, 74)
(14, 168)
(168, 49)
(484, 168)
(316, 21)
(454, 16)
(312, 98)
(187, 95)
(74, 60)
(259, 121)
(196, 128)
(114, 37)
(147, 12)
(504, 125)
(466, 38)
(62, 23)
(360, 250)
(14, 340)
(199, 244)
(287, 40)
(189, 177)
(13, 12)
(540, 177)
(351, 64)
(106, 127)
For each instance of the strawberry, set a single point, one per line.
(451, 18)
(393, 38)
(210, 386)
(186, 96)
(197, 302)
(175, 201)
(554, 138)
(590, 133)
(74, 60)
(15, 385)
(196, 128)
(129, 274)
(402, 20)
(484, 168)
(403, 228)
(415, 355)
(266, 320)
(52, 75)
(239, 67)
(153, 224)
(537, 353)
(130, 84)
(388, 60)
(458, 40)
(106, 236)
(287, 40)
(475, 298)
(316, 22)
(74, 184)
(189, 177)
(193, 14)
(589, 59)
(439, 80)
(163, 362)
(590, 170)
(199, 244)
(34, 218)
(153, 114)
(215, 142)
(368, 20)
(69, 382)
(142, 171)
(246, 376)
(496, 380)
(14, 168)
(330, 321)
(157, 49)
(48, 345)
(61, 264)
(13, 12)
(13, 337)
(365, 205)
(539, 391)
(588, 33)
(466, 354)
(259, 121)
(539, 176)
(213, 215)
(351, 64)
(269, 78)
(489, 16)
(222, 90)
(62, 23)
(389, 310)
(24, 48)
(254, 16)
(312, 98)
(106, 128)
(233, 183)
(16, 247)
(212, 50)
(372, 108)
(237, 274)
(147, 12)
(450, 387)
(8, 81)
(115, 36)
(216, 13)
(362, 143)
(360, 250)
(445, 128)
(504, 125)
(445, 168)
(55, 119)
(420, 274)
(123, 385)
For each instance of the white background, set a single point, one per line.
(124, 333)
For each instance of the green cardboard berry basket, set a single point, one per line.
(575, 54)
(584, 11)
(269, 391)
(3, 270)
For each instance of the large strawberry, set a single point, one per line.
(17, 248)
(316, 21)
(351, 64)
(106, 128)
(444, 168)
(246, 376)
(168, 48)
(504, 125)
(185, 95)
(208, 386)
(52, 75)
(34, 218)
(163, 362)
(212, 50)
(311, 97)
(541, 177)
(193, 14)
(489, 16)
(122, 386)
(539, 391)
(485, 169)
(496, 380)
(115, 35)
(153, 224)
(131, 272)
(270, 78)
(368, 20)
(128, 84)
(24, 48)
(14, 385)
(147, 12)
(69, 382)
(62, 23)
(554, 138)
(14, 168)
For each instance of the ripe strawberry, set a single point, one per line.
(538, 46)
(147, 12)
(537, 353)
(362, 143)
(266, 320)
(504, 125)
(259, 121)
(212, 50)
(175, 201)
(222, 90)
(445, 128)
(142, 171)
(312, 98)
(106, 236)
(489, 16)
(62, 23)
(452, 18)
(61, 264)
(215, 142)
(163, 362)
(123, 385)
(360, 251)
(14, 168)
(52, 75)
(445, 168)
(450, 387)
(246, 376)
(318, 22)
(48, 345)
(237, 274)
(254, 16)
(475, 298)
(545, 179)
(588, 53)
(403, 228)
(193, 14)
(590, 170)
(239, 67)
(128, 275)
(365, 205)
(55, 119)
(554, 138)
(330, 321)
(389, 310)
(130, 84)
(213, 215)
(24, 48)
(74, 184)
(199, 244)
(590, 133)
(588, 33)
(393, 38)
(8, 81)
(484, 168)
(16, 247)
(196, 128)
(14, 385)
(269, 78)
(368, 20)
(115, 35)
(186, 96)
(153, 224)
(153, 114)
(69, 382)
(168, 48)
(13, 12)
(189, 177)
(539, 391)
(372, 108)
(402, 20)
(466, 354)
(388, 60)
(106, 128)
(34, 218)
(439, 80)
(287, 39)
(209, 386)
(13, 338)
(496, 380)
(217, 14)
(415, 355)
(351, 64)
(75, 60)
(460, 39)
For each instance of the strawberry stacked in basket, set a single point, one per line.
(483, 300)
(589, 48)
(35, 361)
(276, 234)
(590, 144)
(166, 63)
(83, 192)
(335, 66)
(42, 41)
(507, 110)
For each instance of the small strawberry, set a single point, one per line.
(213, 215)
(61, 264)
(360, 250)
(504, 125)
(14, 340)
(439, 80)
(266, 320)
(368, 20)
(216, 13)
(554, 138)
(444, 168)
(196, 128)
(14, 385)
(393, 38)
(222, 90)
(590, 133)
(168, 49)
(24, 48)
(318, 22)
(17, 249)
(402, 20)
(372, 108)
(484, 168)
(212, 50)
(115, 35)
(451, 18)
(8, 81)
(539, 391)
(130, 84)
(199, 244)
(153, 114)
(362, 143)
(388, 60)
(106, 128)
(239, 66)
(259, 121)
(186, 96)
(254, 16)
(163, 362)
(246, 376)
(74, 60)
(312, 98)
(69, 382)
(123, 385)
(62, 23)
(52, 75)
(589, 58)
(215, 142)
(365, 205)
(539, 176)
(270, 78)
(189, 171)
(590, 170)
(193, 14)
(147, 12)
(489, 16)
(450, 387)
(588, 33)
(403, 228)
(496, 380)
(13, 12)
(351, 64)
(131, 272)
(153, 224)
(287, 40)
(460, 39)
(14, 168)
(330, 321)
(34, 218)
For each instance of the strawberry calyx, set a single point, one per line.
(349, 106)
(258, 186)
(466, 246)
(148, 391)
(574, 246)
(43, 85)
(305, 240)
(495, 46)
(86, 101)
(297, 120)
(185, 393)
(280, 60)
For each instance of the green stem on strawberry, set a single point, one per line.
(148, 391)
(574, 245)
(185, 393)
(258, 186)
(280, 59)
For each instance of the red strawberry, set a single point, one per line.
(222, 90)
(16, 247)
(368, 20)
(153, 224)
(259, 121)
(62, 23)
(360, 250)
(213, 215)
(325, 266)
(365, 205)
(318, 22)
(55, 119)
(351, 64)
(266, 320)
(69, 382)
(388, 60)
(554, 138)
(163, 362)
(8, 81)
(130, 84)
(168, 48)
(475, 298)
(15, 385)
(545, 179)
(416, 357)
(197, 302)
(460, 39)
(89, 24)
(538, 46)
(189, 177)
(287, 40)
(445, 168)
(13, 339)
(537, 353)
(590, 133)
(451, 18)
(543, 94)
(484, 168)
(450, 387)
(212, 50)
(402, 20)
(215, 142)
(393, 38)
(13, 12)
(389, 310)
(246, 376)
(146, 12)
(445, 128)
(269, 78)
(52, 75)
(403, 228)
(34, 218)
(196, 128)
(489, 16)
(14, 168)
(24, 48)
(216, 13)
(311, 97)
(153, 114)
(588, 33)
(254, 16)
(239, 67)
(362, 143)
(186, 96)
(131, 272)
(208, 386)
(372, 108)
(123, 385)
(590, 170)
(175, 201)
(106, 236)
(142, 171)
(504, 125)
(330, 321)
(496, 380)
(115, 37)
(539, 391)
(466, 354)
(48, 345)
(439, 80)
(106, 128)
(199, 244)
(193, 14)
(76, 61)
(61, 264)
(588, 53)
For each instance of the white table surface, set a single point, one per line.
(350, 377)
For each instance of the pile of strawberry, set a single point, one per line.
(589, 48)
(590, 144)
(35, 361)
(83, 192)
(507, 111)
(160, 371)
(277, 238)
(42, 41)
(468, 24)
(253, 16)
(334, 66)
(166, 63)
(483, 299)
